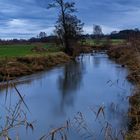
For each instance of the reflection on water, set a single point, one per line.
(70, 81)
(96, 61)
(88, 83)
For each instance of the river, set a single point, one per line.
(79, 88)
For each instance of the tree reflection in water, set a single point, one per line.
(70, 82)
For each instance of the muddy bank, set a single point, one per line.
(129, 57)
(21, 66)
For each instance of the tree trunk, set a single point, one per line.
(68, 49)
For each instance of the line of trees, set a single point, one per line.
(123, 34)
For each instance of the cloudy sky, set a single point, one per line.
(26, 18)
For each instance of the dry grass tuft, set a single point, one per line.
(21, 66)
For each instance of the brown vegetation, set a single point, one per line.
(39, 49)
(20, 66)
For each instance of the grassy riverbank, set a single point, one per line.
(24, 59)
(20, 60)
(129, 57)
(20, 66)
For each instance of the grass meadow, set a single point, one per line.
(104, 41)
(21, 50)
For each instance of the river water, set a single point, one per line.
(92, 90)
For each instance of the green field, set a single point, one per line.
(20, 50)
(26, 50)
(104, 41)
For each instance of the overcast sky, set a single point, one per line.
(26, 18)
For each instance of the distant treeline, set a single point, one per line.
(124, 34)
(48, 39)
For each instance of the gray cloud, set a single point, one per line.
(25, 18)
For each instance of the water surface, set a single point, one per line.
(85, 85)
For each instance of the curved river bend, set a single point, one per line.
(54, 96)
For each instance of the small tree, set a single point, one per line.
(68, 27)
(42, 35)
(97, 32)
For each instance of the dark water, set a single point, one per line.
(83, 86)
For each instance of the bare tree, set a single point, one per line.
(68, 26)
(42, 35)
(97, 32)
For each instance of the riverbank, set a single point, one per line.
(11, 68)
(130, 58)
(24, 59)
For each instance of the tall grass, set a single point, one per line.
(15, 114)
